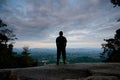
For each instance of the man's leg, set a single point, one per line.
(58, 56)
(64, 56)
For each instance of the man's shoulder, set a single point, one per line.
(57, 37)
(64, 37)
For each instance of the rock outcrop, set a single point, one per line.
(81, 71)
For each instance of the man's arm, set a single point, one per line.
(56, 42)
(65, 42)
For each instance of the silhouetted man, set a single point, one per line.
(61, 47)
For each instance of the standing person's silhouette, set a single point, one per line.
(61, 47)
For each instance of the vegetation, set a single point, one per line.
(115, 2)
(8, 58)
(111, 52)
(25, 60)
(112, 48)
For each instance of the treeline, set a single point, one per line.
(111, 49)
(8, 58)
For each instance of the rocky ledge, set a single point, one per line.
(81, 71)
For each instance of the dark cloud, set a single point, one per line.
(41, 20)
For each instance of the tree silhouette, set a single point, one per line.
(115, 2)
(25, 60)
(5, 36)
(112, 45)
(5, 33)
(8, 58)
(112, 48)
(25, 51)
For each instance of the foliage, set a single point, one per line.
(24, 60)
(115, 2)
(111, 49)
(6, 54)
(5, 33)
(8, 58)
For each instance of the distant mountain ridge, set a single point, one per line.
(68, 50)
(74, 55)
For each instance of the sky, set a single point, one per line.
(36, 23)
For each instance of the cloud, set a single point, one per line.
(41, 20)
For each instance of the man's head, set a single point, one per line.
(60, 33)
